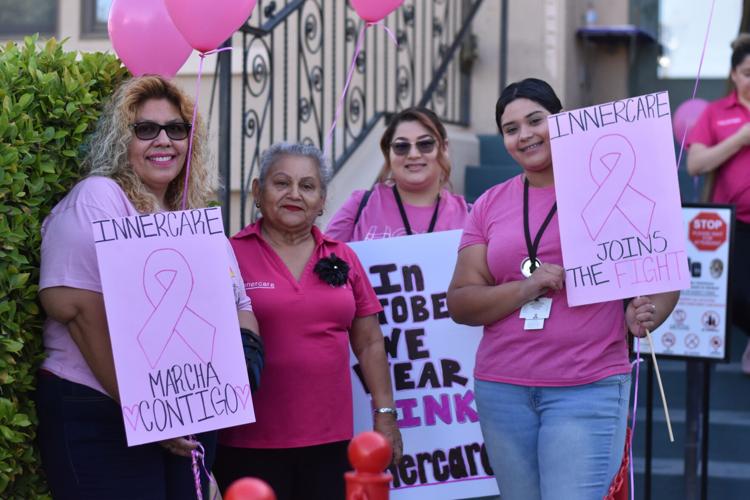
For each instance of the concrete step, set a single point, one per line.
(492, 150)
(477, 179)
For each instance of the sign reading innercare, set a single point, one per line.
(618, 200)
(173, 324)
(432, 361)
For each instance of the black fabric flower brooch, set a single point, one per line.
(332, 270)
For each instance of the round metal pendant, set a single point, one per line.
(526, 266)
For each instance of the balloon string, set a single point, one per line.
(697, 79)
(199, 465)
(192, 122)
(349, 75)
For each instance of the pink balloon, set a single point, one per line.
(206, 24)
(373, 11)
(145, 38)
(686, 115)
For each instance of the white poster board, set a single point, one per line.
(699, 325)
(432, 364)
(618, 200)
(173, 323)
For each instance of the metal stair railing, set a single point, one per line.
(295, 57)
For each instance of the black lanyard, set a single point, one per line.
(405, 219)
(533, 247)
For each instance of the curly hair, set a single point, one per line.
(430, 121)
(107, 146)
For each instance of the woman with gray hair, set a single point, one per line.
(312, 299)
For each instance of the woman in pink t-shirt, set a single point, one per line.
(136, 160)
(411, 194)
(313, 302)
(719, 143)
(552, 397)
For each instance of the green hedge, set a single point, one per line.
(50, 100)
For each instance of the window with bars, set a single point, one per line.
(94, 15)
(20, 18)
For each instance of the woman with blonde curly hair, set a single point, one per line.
(136, 162)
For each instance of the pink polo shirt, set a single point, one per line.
(719, 120)
(381, 218)
(305, 397)
(578, 345)
(69, 259)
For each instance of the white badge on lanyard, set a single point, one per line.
(535, 312)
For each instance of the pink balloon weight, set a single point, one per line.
(374, 11)
(206, 24)
(686, 115)
(145, 38)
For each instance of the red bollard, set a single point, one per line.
(249, 488)
(369, 453)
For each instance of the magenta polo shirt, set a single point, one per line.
(69, 259)
(380, 217)
(305, 397)
(718, 121)
(578, 345)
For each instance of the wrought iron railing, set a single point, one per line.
(296, 54)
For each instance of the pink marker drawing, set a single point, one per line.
(612, 164)
(168, 284)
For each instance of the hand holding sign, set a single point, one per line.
(640, 316)
(547, 277)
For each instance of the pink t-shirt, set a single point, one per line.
(305, 397)
(381, 218)
(718, 121)
(578, 345)
(69, 259)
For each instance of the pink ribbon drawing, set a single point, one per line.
(168, 283)
(612, 164)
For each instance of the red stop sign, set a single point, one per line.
(707, 231)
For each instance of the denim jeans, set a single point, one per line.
(561, 443)
(85, 455)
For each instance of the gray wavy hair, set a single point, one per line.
(277, 151)
(107, 146)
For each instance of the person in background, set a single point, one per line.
(411, 195)
(313, 301)
(719, 145)
(552, 398)
(136, 159)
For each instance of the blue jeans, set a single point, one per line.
(561, 443)
(85, 455)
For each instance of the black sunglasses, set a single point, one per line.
(424, 146)
(146, 131)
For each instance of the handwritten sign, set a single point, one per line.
(432, 361)
(618, 200)
(173, 324)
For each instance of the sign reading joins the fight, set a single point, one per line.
(432, 362)
(618, 200)
(173, 324)
(699, 325)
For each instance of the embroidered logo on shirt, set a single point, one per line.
(728, 121)
(254, 285)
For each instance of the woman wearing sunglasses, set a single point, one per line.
(135, 160)
(410, 196)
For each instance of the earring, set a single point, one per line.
(257, 204)
(320, 213)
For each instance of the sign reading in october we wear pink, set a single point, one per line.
(618, 200)
(173, 323)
